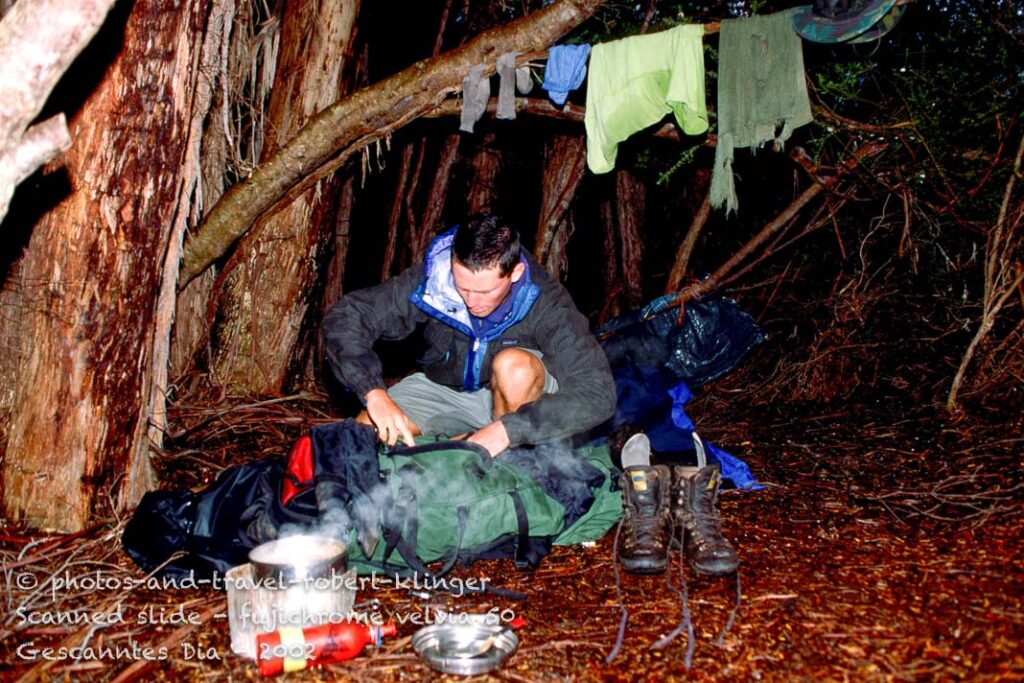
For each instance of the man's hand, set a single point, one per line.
(390, 420)
(493, 437)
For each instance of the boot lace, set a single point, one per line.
(645, 522)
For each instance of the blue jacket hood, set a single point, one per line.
(437, 297)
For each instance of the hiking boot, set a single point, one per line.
(643, 545)
(695, 519)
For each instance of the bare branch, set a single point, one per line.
(38, 41)
(347, 126)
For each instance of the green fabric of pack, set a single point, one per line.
(451, 501)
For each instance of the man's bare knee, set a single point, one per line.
(518, 375)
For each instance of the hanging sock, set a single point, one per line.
(762, 92)
(476, 90)
(565, 70)
(524, 81)
(511, 79)
(635, 81)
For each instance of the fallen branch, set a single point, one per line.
(39, 39)
(725, 271)
(682, 262)
(1002, 278)
(367, 115)
(535, 106)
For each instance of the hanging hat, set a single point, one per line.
(845, 26)
(884, 25)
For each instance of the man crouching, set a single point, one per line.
(509, 360)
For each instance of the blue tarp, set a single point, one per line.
(655, 361)
(733, 469)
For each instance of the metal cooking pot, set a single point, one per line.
(466, 649)
(297, 559)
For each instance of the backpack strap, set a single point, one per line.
(397, 541)
(407, 497)
(525, 558)
(486, 461)
(417, 568)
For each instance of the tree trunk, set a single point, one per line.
(397, 202)
(630, 203)
(269, 282)
(91, 277)
(221, 155)
(483, 176)
(338, 248)
(367, 115)
(424, 228)
(612, 282)
(196, 178)
(564, 165)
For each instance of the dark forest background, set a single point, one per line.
(881, 250)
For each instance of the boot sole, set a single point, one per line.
(723, 569)
(643, 567)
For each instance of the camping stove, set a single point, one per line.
(299, 581)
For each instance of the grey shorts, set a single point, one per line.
(437, 409)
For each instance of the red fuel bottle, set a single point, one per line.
(294, 649)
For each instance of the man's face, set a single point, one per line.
(484, 290)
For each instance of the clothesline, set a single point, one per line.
(568, 112)
(762, 92)
(524, 57)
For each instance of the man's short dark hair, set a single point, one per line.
(487, 240)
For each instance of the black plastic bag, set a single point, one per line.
(714, 335)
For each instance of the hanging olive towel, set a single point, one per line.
(761, 89)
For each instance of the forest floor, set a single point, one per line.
(885, 546)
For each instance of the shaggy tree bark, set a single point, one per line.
(91, 278)
(331, 137)
(630, 206)
(38, 41)
(564, 165)
(483, 176)
(397, 203)
(268, 284)
(195, 176)
(422, 229)
(237, 106)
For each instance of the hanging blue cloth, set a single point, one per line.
(565, 70)
(733, 468)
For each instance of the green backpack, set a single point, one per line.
(441, 501)
(451, 502)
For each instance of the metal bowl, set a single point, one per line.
(299, 558)
(465, 649)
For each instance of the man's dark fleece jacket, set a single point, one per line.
(543, 317)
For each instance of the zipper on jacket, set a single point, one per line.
(468, 376)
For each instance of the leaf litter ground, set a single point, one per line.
(882, 548)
